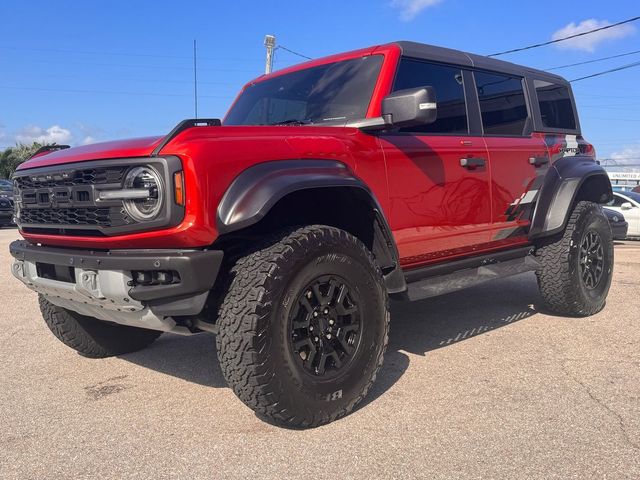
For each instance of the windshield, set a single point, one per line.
(335, 92)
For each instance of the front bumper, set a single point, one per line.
(100, 284)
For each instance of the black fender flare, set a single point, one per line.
(559, 190)
(253, 193)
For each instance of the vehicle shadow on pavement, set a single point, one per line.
(420, 327)
(416, 328)
(191, 358)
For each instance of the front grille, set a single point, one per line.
(88, 176)
(66, 199)
(67, 216)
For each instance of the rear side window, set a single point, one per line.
(556, 107)
(502, 103)
(449, 88)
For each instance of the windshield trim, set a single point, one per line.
(390, 52)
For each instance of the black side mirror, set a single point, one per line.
(404, 108)
(410, 107)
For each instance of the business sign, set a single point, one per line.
(625, 176)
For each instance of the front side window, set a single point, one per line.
(502, 103)
(449, 89)
(336, 92)
(556, 107)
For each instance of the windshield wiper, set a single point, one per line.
(292, 121)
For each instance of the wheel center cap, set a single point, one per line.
(323, 324)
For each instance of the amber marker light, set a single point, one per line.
(178, 182)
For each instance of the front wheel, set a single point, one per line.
(576, 269)
(304, 326)
(91, 337)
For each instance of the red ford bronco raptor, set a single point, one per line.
(402, 170)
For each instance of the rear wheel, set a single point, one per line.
(304, 326)
(91, 337)
(576, 269)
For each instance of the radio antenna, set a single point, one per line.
(195, 78)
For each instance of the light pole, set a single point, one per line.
(270, 43)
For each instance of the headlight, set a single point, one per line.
(144, 178)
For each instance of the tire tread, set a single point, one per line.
(91, 337)
(243, 320)
(554, 276)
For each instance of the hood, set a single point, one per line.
(133, 147)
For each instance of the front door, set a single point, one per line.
(438, 174)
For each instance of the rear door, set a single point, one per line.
(439, 208)
(519, 159)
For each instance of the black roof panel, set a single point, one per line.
(448, 55)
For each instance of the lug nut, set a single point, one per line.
(328, 336)
(309, 294)
(315, 314)
(316, 339)
(326, 311)
(331, 321)
(311, 328)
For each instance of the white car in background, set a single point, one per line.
(628, 203)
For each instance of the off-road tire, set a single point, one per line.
(91, 337)
(254, 320)
(560, 276)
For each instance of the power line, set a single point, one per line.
(144, 79)
(295, 53)
(111, 92)
(121, 54)
(623, 67)
(593, 61)
(146, 67)
(612, 119)
(557, 40)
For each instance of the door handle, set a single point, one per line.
(538, 161)
(472, 163)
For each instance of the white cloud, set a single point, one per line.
(409, 9)
(591, 41)
(53, 134)
(88, 140)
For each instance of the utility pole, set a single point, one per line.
(270, 43)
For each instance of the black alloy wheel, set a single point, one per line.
(325, 326)
(591, 259)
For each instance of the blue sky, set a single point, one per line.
(80, 71)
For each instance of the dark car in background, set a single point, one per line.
(6, 188)
(619, 224)
(6, 202)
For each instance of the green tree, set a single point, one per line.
(14, 156)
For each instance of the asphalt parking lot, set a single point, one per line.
(476, 384)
